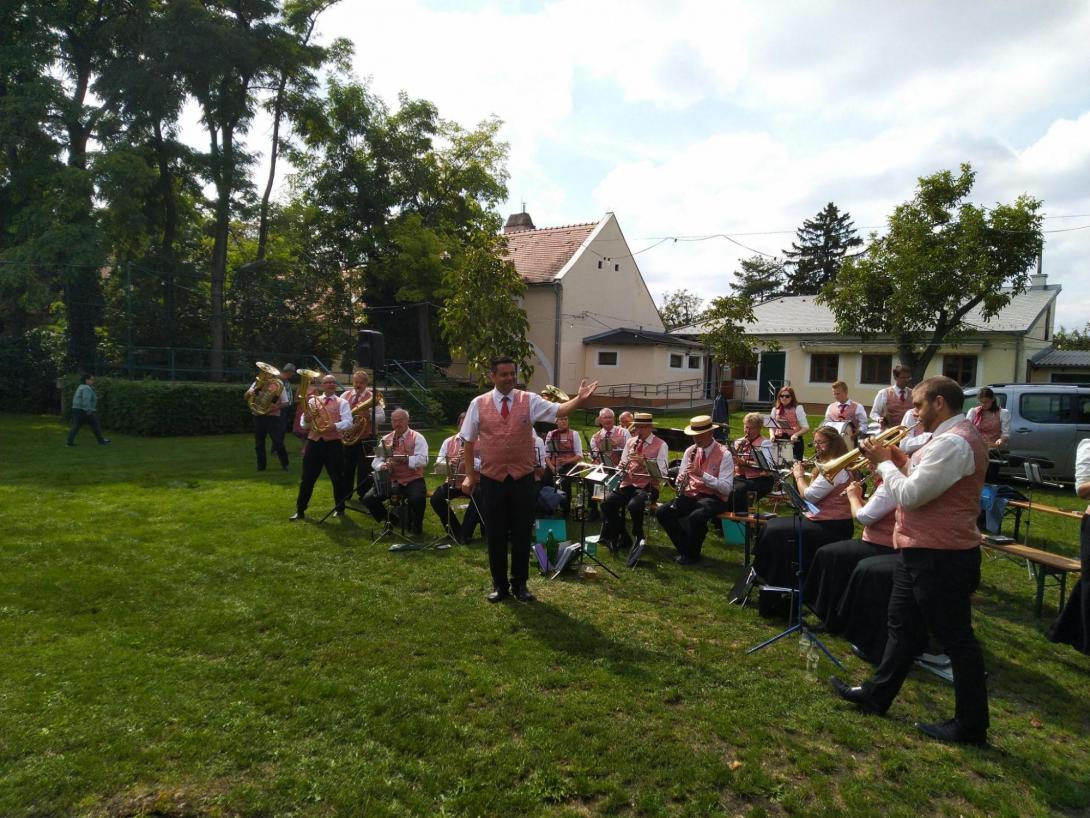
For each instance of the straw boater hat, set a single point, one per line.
(701, 424)
(642, 417)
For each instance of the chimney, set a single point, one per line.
(1038, 281)
(518, 222)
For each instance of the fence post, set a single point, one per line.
(172, 363)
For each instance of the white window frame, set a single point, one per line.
(670, 360)
(598, 360)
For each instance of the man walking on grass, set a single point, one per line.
(84, 403)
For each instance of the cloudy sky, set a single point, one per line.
(696, 118)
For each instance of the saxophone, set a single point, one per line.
(361, 419)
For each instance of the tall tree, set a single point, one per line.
(941, 258)
(815, 257)
(759, 279)
(1076, 338)
(724, 330)
(679, 308)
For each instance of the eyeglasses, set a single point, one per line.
(785, 394)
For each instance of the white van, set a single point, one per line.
(1047, 421)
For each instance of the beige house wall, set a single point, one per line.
(643, 364)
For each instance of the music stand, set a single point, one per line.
(589, 472)
(800, 506)
(343, 501)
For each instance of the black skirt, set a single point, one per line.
(863, 610)
(1072, 626)
(829, 572)
(776, 553)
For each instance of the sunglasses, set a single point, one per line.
(785, 394)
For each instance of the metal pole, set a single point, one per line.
(128, 299)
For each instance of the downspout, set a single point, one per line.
(557, 291)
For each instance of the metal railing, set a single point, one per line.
(690, 392)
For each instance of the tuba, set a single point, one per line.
(314, 417)
(554, 394)
(267, 389)
(855, 460)
(361, 419)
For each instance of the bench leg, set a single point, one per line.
(1041, 575)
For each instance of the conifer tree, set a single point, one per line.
(815, 258)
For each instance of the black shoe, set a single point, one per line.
(953, 732)
(625, 543)
(498, 595)
(683, 559)
(105, 442)
(299, 515)
(72, 445)
(339, 512)
(856, 695)
(261, 468)
(522, 594)
(285, 466)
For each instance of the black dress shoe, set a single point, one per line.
(683, 559)
(498, 595)
(952, 731)
(856, 695)
(299, 515)
(338, 513)
(522, 594)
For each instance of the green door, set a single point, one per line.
(770, 375)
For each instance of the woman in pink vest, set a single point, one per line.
(990, 419)
(789, 411)
(776, 554)
(749, 477)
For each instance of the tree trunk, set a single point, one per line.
(263, 221)
(423, 325)
(223, 176)
(170, 228)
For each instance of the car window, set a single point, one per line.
(1046, 408)
(1001, 399)
(1082, 409)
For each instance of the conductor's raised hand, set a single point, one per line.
(585, 390)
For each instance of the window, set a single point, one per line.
(876, 369)
(676, 360)
(599, 264)
(824, 368)
(616, 268)
(962, 368)
(1068, 377)
(1037, 408)
(1082, 409)
(744, 372)
(695, 361)
(607, 358)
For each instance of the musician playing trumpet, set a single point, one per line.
(452, 456)
(564, 449)
(357, 461)
(637, 487)
(408, 455)
(748, 474)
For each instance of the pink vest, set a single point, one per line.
(988, 424)
(834, 505)
(506, 444)
(838, 413)
(699, 463)
(744, 448)
(881, 533)
(788, 416)
(353, 397)
(895, 407)
(330, 411)
(948, 521)
(400, 472)
(636, 473)
(560, 444)
(616, 447)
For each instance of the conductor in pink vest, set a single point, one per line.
(499, 429)
(937, 492)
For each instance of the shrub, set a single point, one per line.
(453, 401)
(28, 374)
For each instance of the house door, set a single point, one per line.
(770, 377)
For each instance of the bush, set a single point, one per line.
(166, 408)
(28, 374)
(454, 401)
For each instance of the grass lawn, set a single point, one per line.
(172, 646)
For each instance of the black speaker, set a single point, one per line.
(370, 349)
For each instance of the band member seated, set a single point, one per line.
(624, 420)
(704, 483)
(608, 442)
(748, 475)
(546, 498)
(789, 411)
(990, 419)
(1072, 626)
(637, 488)
(357, 463)
(450, 455)
(776, 554)
(405, 464)
(829, 573)
(563, 450)
(843, 409)
(891, 403)
(331, 418)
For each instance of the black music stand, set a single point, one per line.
(581, 549)
(800, 507)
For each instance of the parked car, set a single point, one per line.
(1047, 421)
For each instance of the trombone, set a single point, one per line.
(855, 460)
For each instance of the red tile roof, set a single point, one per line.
(538, 255)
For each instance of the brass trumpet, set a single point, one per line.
(855, 460)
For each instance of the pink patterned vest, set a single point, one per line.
(895, 407)
(834, 505)
(636, 473)
(989, 424)
(616, 445)
(788, 416)
(845, 412)
(744, 446)
(330, 410)
(699, 463)
(948, 521)
(400, 472)
(353, 397)
(560, 444)
(881, 533)
(506, 445)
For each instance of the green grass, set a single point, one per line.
(172, 646)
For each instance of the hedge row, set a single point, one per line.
(28, 377)
(454, 401)
(165, 408)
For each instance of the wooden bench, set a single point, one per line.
(1043, 565)
(1020, 506)
(751, 523)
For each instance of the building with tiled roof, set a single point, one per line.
(590, 312)
(811, 354)
(1052, 365)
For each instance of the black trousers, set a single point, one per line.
(635, 500)
(79, 417)
(319, 454)
(1072, 626)
(416, 496)
(440, 504)
(739, 497)
(357, 469)
(830, 573)
(273, 427)
(685, 520)
(776, 556)
(508, 509)
(931, 590)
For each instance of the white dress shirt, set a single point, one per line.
(723, 483)
(418, 459)
(1082, 463)
(380, 413)
(345, 411)
(878, 506)
(819, 487)
(539, 452)
(540, 409)
(285, 393)
(946, 459)
(442, 457)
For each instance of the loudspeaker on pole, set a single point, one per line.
(370, 349)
